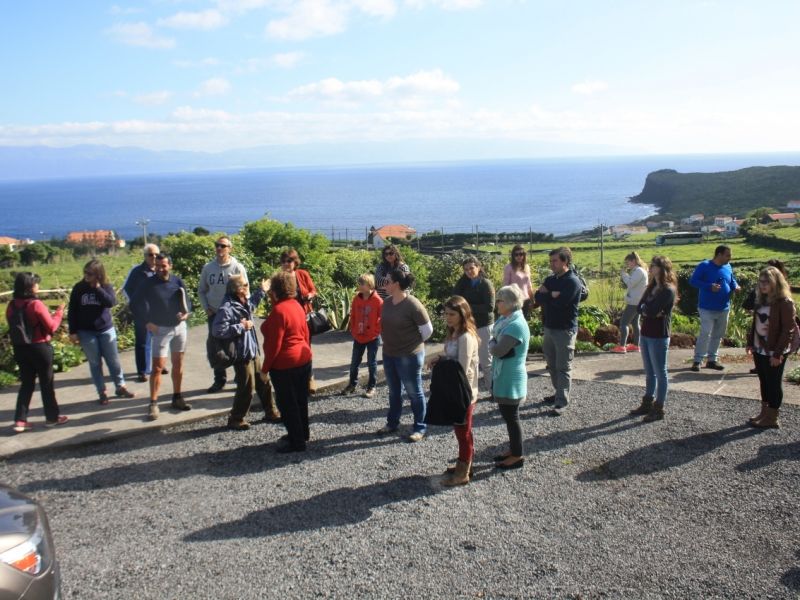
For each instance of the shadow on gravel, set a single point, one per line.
(770, 454)
(665, 455)
(242, 460)
(561, 439)
(791, 579)
(345, 506)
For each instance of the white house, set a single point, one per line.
(722, 220)
(398, 232)
(693, 219)
(793, 204)
(732, 227)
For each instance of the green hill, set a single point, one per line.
(730, 192)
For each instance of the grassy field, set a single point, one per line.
(788, 233)
(587, 254)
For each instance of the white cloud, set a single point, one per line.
(196, 64)
(216, 86)
(138, 34)
(187, 113)
(377, 8)
(153, 98)
(445, 4)
(310, 18)
(205, 20)
(412, 91)
(287, 60)
(587, 88)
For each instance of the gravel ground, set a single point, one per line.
(699, 505)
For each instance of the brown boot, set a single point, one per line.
(460, 476)
(760, 415)
(271, 413)
(656, 413)
(644, 407)
(451, 470)
(769, 420)
(312, 385)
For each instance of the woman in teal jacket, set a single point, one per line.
(509, 347)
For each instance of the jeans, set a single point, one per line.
(466, 446)
(713, 324)
(220, 375)
(654, 358)
(510, 413)
(35, 360)
(99, 346)
(630, 316)
(770, 380)
(558, 347)
(372, 361)
(405, 372)
(142, 348)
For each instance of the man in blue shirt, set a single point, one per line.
(559, 296)
(715, 283)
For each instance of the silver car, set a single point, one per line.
(28, 566)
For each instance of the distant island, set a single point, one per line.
(678, 195)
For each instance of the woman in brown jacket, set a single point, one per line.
(769, 341)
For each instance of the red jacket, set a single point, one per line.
(286, 339)
(365, 317)
(38, 317)
(305, 286)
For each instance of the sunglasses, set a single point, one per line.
(151, 255)
(519, 254)
(388, 253)
(222, 246)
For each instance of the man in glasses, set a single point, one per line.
(136, 277)
(213, 282)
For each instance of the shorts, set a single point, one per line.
(169, 340)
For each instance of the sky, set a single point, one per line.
(558, 77)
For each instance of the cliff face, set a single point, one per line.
(730, 192)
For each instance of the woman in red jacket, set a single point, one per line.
(35, 359)
(287, 359)
(306, 291)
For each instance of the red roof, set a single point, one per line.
(395, 231)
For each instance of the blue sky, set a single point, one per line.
(556, 77)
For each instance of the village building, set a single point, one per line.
(381, 237)
(788, 218)
(102, 239)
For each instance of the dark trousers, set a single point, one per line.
(291, 395)
(141, 347)
(245, 377)
(220, 375)
(510, 414)
(35, 360)
(770, 379)
(372, 361)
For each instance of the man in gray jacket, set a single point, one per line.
(211, 291)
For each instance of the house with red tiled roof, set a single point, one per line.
(12, 243)
(793, 204)
(380, 237)
(788, 218)
(100, 238)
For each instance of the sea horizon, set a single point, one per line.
(561, 196)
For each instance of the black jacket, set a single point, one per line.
(450, 394)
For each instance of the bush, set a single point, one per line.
(586, 347)
(536, 343)
(793, 376)
(683, 324)
(592, 317)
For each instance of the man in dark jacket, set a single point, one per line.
(136, 277)
(559, 296)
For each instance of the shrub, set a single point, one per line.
(684, 324)
(586, 347)
(536, 343)
(592, 317)
(793, 376)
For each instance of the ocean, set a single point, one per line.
(558, 196)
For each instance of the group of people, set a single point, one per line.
(487, 336)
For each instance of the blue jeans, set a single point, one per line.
(372, 361)
(654, 358)
(405, 372)
(98, 346)
(713, 324)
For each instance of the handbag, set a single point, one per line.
(317, 321)
(221, 353)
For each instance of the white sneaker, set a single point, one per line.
(416, 436)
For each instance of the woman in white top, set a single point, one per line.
(634, 278)
(517, 272)
(461, 344)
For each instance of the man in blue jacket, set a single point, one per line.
(559, 296)
(715, 283)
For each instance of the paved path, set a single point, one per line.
(89, 422)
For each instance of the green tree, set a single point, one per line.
(40, 252)
(8, 258)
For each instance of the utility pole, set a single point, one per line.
(143, 224)
(601, 248)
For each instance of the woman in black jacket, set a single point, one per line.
(478, 291)
(655, 307)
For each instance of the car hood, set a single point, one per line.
(18, 518)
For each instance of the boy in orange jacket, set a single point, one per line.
(365, 327)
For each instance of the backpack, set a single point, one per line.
(584, 286)
(19, 330)
(221, 353)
